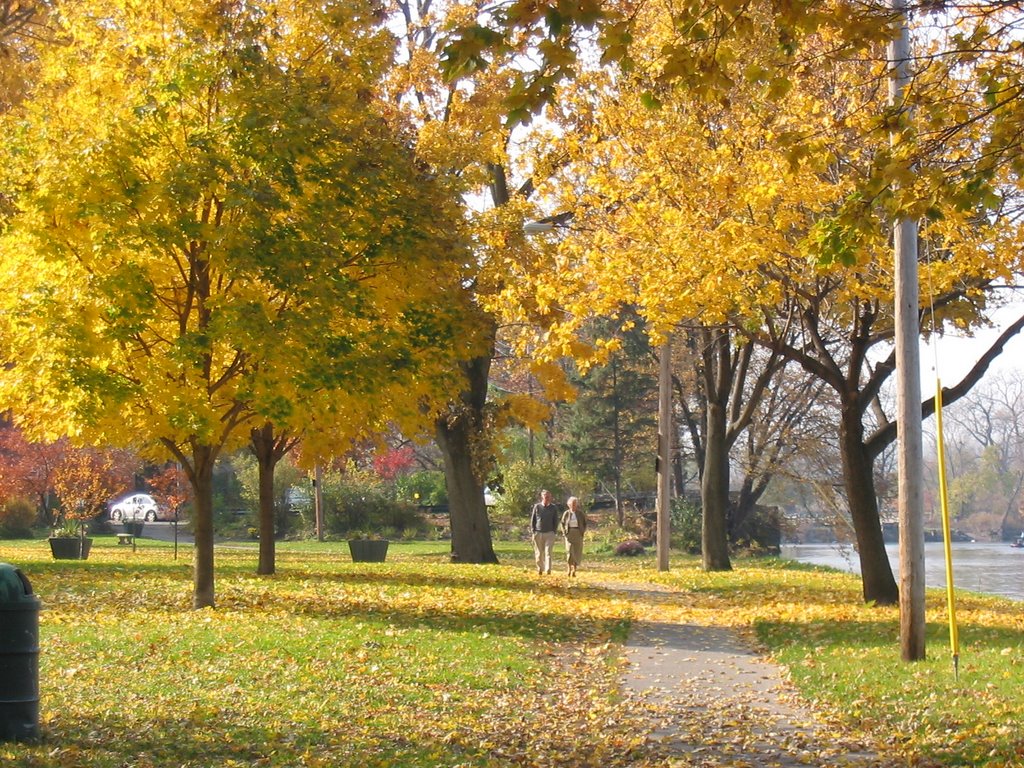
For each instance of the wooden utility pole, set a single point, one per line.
(908, 378)
(664, 449)
(318, 501)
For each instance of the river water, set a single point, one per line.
(993, 568)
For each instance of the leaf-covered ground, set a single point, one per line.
(419, 662)
(844, 656)
(414, 662)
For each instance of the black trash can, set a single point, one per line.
(19, 656)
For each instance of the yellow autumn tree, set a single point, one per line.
(22, 28)
(217, 226)
(765, 211)
(463, 130)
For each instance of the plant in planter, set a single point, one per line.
(368, 548)
(68, 540)
(83, 481)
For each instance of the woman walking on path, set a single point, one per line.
(574, 525)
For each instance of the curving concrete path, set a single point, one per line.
(714, 701)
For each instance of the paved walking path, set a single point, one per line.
(716, 702)
(165, 532)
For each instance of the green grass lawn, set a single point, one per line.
(845, 657)
(419, 662)
(413, 662)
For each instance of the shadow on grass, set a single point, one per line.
(467, 609)
(866, 635)
(471, 617)
(753, 585)
(480, 577)
(227, 738)
(93, 568)
(232, 737)
(846, 634)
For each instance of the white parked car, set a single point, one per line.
(138, 506)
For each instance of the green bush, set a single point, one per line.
(426, 487)
(521, 486)
(686, 525)
(17, 516)
(236, 498)
(357, 500)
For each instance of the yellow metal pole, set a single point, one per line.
(954, 639)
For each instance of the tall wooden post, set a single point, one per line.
(318, 501)
(664, 451)
(908, 381)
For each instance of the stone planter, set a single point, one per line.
(134, 527)
(368, 550)
(70, 547)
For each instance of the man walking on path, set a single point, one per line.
(543, 524)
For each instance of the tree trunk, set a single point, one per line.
(678, 478)
(858, 476)
(620, 509)
(263, 447)
(664, 516)
(743, 509)
(714, 492)
(201, 476)
(617, 449)
(471, 528)
(458, 433)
